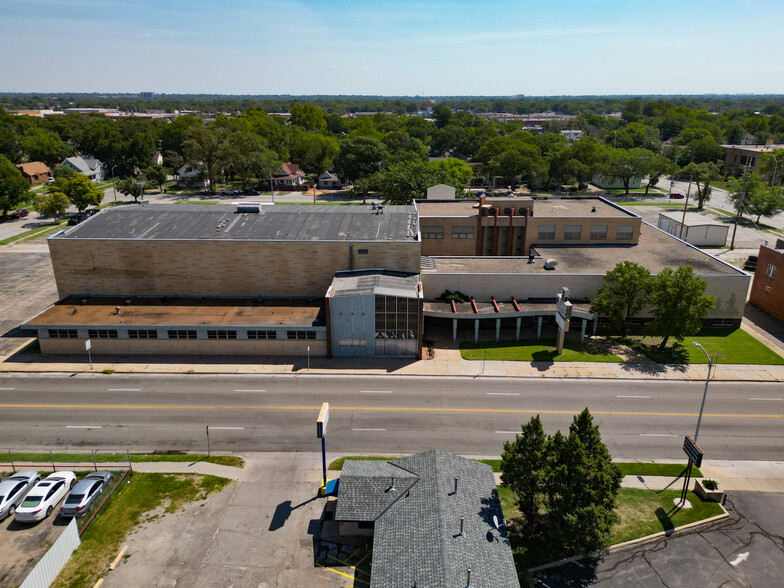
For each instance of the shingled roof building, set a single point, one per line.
(433, 516)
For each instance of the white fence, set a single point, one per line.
(46, 570)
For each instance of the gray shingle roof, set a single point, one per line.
(366, 489)
(416, 539)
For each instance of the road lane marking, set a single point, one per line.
(125, 390)
(8, 389)
(740, 558)
(83, 427)
(423, 409)
(657, 435)
(368, 429)
(503, 393)
(632, 396)
(227, 428)
(250, 390)
(375, 391)
(766, 398)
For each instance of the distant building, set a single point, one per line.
(739, 158)
(767, 288)
(190, 176)
(572, 134)
(329, 181)
(695, 228)
(147, 94)
(86, 165)
(606, 183)
(35, 171)
(441, 192)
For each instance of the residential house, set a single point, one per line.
(86, 165)
(35, 171)
(433, 517)
(289, 176)
(572, 134)
(329, 181)
(190, 176)
(767, 292)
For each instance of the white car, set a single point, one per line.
(13, 490)
(45, 495)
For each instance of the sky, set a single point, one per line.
(400, 48)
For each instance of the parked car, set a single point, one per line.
(50, 180)
(14, 489)
(229, 192)
(250, 192)
(45, 495)
(207, 193)
(82, 216)
(676, 196)
(85, 493)
(751, 263)
(20, 213)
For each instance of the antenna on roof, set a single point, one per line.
(461, 533)
(468, 579)
(392, 485)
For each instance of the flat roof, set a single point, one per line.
(656, 250)
(190, 312)
(379, 282)
(755, 148)
(176, 222)
(505, 307)
(693, 219)
(578, 207)
(450, 208)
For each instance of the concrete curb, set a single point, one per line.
(638, 541)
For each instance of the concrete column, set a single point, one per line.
(454, 329)
(517, 328)
(582, 331)
(595, 323)
(497, 330)
(538, 328)
(476, 330)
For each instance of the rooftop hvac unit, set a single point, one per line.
(549, 264)
(248, 207)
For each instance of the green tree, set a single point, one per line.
(624, 165)
(79, 190)
(308, 117)
(766, 201)
(679, 306)
(63, 171)
(314, 152)
(658, 166)
(442, 114)
(207, 147)
(523, 468)
(702, 174)
(131, 186)
(45, 146)
(623, 294)
(14, 188)
(51, 204)
(157, 174)
(250, 158)
(454, 172)
(404, 181)
(359, 157)
(773, 163)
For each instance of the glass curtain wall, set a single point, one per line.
(397, 326)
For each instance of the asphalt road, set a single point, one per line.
(638, 419)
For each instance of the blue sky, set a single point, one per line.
(533, 47)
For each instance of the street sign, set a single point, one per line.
(323, 419)
(692, 450)
(561, 322)
(563, 307)
(88, 344)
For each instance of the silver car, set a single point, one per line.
(14, 489)
(85, 493)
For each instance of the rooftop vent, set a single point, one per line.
(248, 207)
(593, 209)
(549, 264)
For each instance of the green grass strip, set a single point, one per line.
(532, 350)
(34, 233)
(65, 458)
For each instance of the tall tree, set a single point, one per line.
(52, 203)
(624, 165)
(359, 157)
(314, 152)
(308, 117)
(45, 146)
(207, 147)
(702, 174)
(132, 186)
(658, 166)
(623, 294)
(14, 188)
(523, 468)
(157, 174)
(79, 190)
(679, 305)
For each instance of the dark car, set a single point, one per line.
(82, 216)
(90, 212)
(21, 213)
(677, 196)
(85, 493)
(751, 263)
(207, 193)
(250, 192)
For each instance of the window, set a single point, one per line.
(301, 334)
(362, 251)
(462, 232)
(142, 334)
(215, 334)
(624, 232)
(352, 342)
(182, 334)
(547, 231)
(573, 232)
(432, 232)
(102, 333)
(598, 232)
(723, 323)
(771, 271)
(62, 334)
(262, 335)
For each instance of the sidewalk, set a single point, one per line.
(147, 467)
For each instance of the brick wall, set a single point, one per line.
(768, 293)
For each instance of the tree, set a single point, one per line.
(766, 201)
(79, 190)
(51, 204)
(314, 152)
(207, 147)
(63, 171)
(773, 166)
(678, 304)
(131, 186)
(442, 114)
(658, 166)
(308, 116)
(702, 174)
(359, 157)
(14, 188)
(45, 146)
(404, 181)
(249, 157)
(523, 468)
(623, 294)
(624, 165)
(157, 174)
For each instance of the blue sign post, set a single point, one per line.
(327, 486)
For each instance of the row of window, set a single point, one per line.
(178, 334)
(438, 232)
(575, 232)
(770, 271)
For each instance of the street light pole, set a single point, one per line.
(705, 393)
(113, 188)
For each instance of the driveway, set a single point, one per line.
(262, 531)
(23, 545)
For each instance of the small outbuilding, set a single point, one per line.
(441, 192)
(695, 228)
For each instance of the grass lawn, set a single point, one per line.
(44, 458)
(729, 346)
(347, 203)
(197, 202)
(338, 463)
(642, 512)
(145, 492)
(532, 350)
